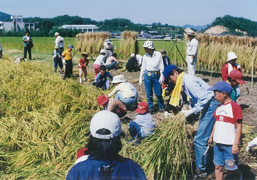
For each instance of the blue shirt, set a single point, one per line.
(198, 92)
(101, 77)
(120, 169)
(146, 123)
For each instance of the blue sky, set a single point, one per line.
(179, 12)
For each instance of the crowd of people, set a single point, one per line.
(220, 116)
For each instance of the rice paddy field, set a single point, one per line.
(44, 120)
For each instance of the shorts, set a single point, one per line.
(223, 155)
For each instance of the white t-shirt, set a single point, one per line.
(192, 47)
(226, 116)
(59, 41)
(100, 60)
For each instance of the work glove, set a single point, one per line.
(247, 149)
(161, 79)
(187, 112)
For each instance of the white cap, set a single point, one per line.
(132, 55)
(148, 44)
(191, 33)
(107, 120)
(56, 34)
(118, 79)
(231, 56)
(102, 51)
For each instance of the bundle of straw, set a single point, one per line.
(128, 43)
(165, 155)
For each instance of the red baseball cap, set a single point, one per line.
(102, 99)
(142, 108)
(237, 76)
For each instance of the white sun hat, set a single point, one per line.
(105, 120)
(148, 44)
(231, 56)
(119, 79)
(56, 34)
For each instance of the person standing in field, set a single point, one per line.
(151, 70)
(166, 59)
(201, 99)
(192, 49)
(68, 65)
(57, 59)
(28, 44)
(59, 41)
(229, 66)
(235, 78)
(108, 47)
(1, 51)
(83, 63)
(100, 60)
(104, 145)
(226, 131)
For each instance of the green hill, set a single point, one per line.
(4, 16)
(237, 25)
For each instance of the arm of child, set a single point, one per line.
(235, 148)
(210, 141)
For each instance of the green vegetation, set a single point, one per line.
(233, 23)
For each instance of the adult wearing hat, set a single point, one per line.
(151, 70)
(201, 99)
(108, 47)
(192, 49)
(104, 161)
(125, 92)
(28, 44)
(68, 65)
(83, 63)
(229, 66)
(143, 125)
(100, 60)
(112, 105)
(59, 41)
(166, 59)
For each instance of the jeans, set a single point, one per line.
(57, 61)
(112, 65)
(27, 49)
(223, 155)
(103, 84)
(134, 130)
(203, 133)
(126, 101)
(151, 81)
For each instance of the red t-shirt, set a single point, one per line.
(83, 63)
(226, 116)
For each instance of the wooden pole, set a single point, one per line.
(253, 65)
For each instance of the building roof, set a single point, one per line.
(80, 27)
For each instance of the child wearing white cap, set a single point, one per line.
(104, 161)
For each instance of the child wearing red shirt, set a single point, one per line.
(83, 62)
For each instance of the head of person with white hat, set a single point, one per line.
(149, 47)
(231, 58)
(104, 161)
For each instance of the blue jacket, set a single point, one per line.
(121, 169)
(101, 77)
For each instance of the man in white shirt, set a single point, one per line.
(152, 68)
(59, 41)
(192, 49)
